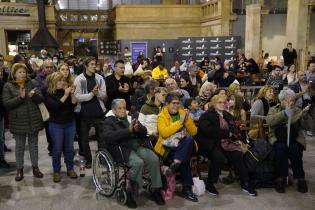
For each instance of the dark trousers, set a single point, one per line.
(294, 153)
(48, 137)
(183, 153)
(77, 128)
(85, 125)
(216, 159)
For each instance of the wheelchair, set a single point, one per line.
(110, 177)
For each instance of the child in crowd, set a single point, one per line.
(194, 110)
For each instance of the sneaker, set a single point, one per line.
(302, 186)
(72, 174)
(131, 203)
(4, 164)
(280, 185)
(188, 194)
(157, 197)
(56, 177)
(210, 188)
(173, 169)
(246, 187)
(309, 133)
(88, 164)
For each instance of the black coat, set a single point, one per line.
(116, 134)
(209, 132)
(112, 85)
(24, 114)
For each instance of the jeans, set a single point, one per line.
(62, 139)
(2, 138)
(183, 153)
(294, 153)
(85, 125)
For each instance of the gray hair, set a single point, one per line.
(286, 93)
(117, 101)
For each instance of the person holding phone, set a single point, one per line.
(118, 85)
(288, 142)
(174, 120)
(90, 92)
(303, 98)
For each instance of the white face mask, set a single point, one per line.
(32, 60)
(55, 60)
(71, 70)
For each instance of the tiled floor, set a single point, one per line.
(34, 194)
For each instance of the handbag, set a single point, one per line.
(43, 111)
(199, 187)
(173, 140)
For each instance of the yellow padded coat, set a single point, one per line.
(166, 128)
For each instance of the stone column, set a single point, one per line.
(3, 47)
(253, 31)
(297, 21)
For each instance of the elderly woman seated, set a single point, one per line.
(124, 140)
(287, 146)
(175, 128)
(218, 139)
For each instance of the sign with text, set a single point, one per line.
(137, 48)
(14, 11)
(211, 47)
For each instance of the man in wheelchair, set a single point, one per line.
(125, 141)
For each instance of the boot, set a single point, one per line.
(131, 203)
(19, 175)
(133, 188)
(157, 197)
(37, 173)
(280, 185)
(302, 186)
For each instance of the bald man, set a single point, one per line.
(46, 69)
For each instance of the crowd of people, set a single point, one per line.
(193, 108)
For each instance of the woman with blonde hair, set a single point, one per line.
(21, 98)
(60, 102)
(259, 110)
(64, 69)
(219, 139)
(235, 89)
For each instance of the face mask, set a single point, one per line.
(71, 70)
(32, 60)
(55, 61)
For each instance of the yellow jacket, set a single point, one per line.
(156, 73)
(166, 128)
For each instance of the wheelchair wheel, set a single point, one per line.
(121, 196)
(104, 174)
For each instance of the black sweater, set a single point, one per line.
(59, 112)
(112, 85)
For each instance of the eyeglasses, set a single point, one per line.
(175, 103)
